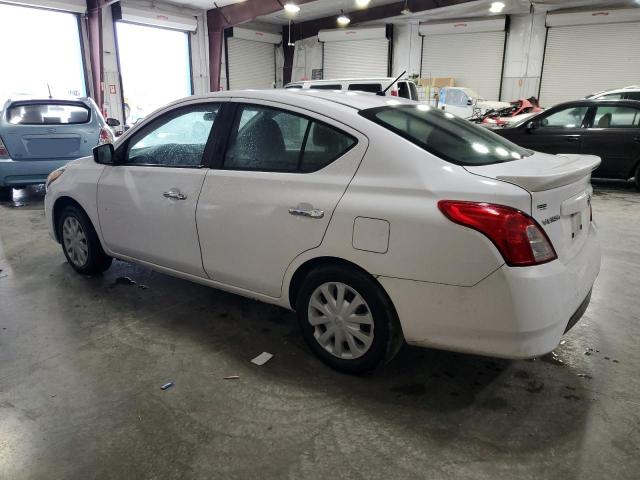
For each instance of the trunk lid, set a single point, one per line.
(560, 189)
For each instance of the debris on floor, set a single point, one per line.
(167, 386)
(232, 377)
(123, 281)
(263, 358)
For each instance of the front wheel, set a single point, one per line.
(347, 319)
(80, 242)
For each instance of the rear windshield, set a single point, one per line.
(445, 135)
(47, 114)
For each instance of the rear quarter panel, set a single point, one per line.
(402, 184)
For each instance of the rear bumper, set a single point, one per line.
(513, 313)
(15, 173)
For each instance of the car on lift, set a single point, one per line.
(609, 129)
(402, 88)
(376, 219)
(39, 135)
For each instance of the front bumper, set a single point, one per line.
(513, 313)
(16, 173)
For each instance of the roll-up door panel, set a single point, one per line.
(474, 60)
(251, 64)
(611, 60)
(357, 58)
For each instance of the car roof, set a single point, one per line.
(310, 99)
(597, 101)
(334, 80)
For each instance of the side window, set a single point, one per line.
(325, 86)
(266, 139)
(273, 140)
(568, 118)
(324, 145)
(414, 91)
(616, 117)
(366, 87)
(611, 96)
(633, 95)
(176, 139)
(403, 90)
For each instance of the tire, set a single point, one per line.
(379, 336)
(75, 231)
(6, 193)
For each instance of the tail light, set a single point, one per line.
(516, 235)
(4, 153)
(394, 93)
(106, 136)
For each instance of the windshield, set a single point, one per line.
(445, 135)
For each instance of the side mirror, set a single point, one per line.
(104, 154)
(113, 122)
(531, 126)
(469, 102)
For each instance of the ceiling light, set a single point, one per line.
(496, 7)
(362, 3)
(406, 10)
(291, 8)
(343, 20)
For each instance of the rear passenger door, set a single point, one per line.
(614, 135)
(272, 194)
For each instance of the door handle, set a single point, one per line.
(573, 139)
(306, 211)
(636, 139)
(174, 194)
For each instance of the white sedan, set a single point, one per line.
(377, 220)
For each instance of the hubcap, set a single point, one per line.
(342, 320)
(75, 241)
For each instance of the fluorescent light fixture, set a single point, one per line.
(496, 7)
(362, 3)
(343, 20)
(291, 8)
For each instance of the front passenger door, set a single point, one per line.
(147, 201)
(559, 131)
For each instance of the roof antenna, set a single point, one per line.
(49, 88)
(382, 93)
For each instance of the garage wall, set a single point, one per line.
(307, 56)
(611, 60)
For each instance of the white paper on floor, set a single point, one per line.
(263, 358)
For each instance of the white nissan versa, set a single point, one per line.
(378, 220)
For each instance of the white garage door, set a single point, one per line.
(611, 60)
(474, 60)
(356, 58)
(251, 64)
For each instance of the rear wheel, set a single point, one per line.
(347, 319)
(80, 242)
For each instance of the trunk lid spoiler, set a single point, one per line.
(540, 171)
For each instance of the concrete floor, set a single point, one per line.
(82, 361)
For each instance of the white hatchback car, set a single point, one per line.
(376, 219)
